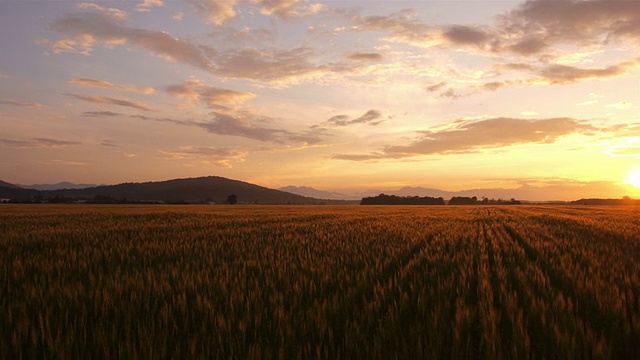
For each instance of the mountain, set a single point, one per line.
(314, 193)
(11, 191)
(203, 189)
(58, 186)
(8, 185)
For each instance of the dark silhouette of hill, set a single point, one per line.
(8, 185)
(193, 190)
(11, 191)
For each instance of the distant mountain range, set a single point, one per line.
(192, 190)
(217, 189)
(58, 186)
(405, 191)
(315, 193)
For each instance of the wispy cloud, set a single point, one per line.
(245, 124)
(101, 114)
(365, 56)
(108, 85)
(20, 104)
(371, 117)
(146, 5)
(39, 142)
(85, 29)
(471, 136)
(112, 12)
(196, 91)
(278, 66)
(280, 8)
(108, 100)
(563, 74)
(220, 12)
(217, 12)
(223, 157)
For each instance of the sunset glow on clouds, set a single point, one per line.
(328, 94)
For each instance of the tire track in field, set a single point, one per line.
(581, 302)
(349, 310)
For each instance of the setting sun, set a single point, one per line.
(633, 179)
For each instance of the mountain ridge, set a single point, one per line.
(209, 189)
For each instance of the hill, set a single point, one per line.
(57, 186)
(193, 190)
(11, 191)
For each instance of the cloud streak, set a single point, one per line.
(83, 31)
(195, 91)
(371, 117)
(39, 143)
(472, 136)
(223, 157)
(108, 100)
(20, 104)
(87, 28)
(108, 85)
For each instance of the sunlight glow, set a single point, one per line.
(633, 179)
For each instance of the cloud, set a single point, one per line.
(271, 66)
(466, 35)
(436, 87)
(108, 100)
(108, 85)
(371, 117)
(360, 56)
(39, 143)
(245, 124)
(66, 162)
(242, 123)
(471, 136)
(220, 12)
(622, 105)
(223, 157)
(245, 36)
(146, 5)
(86, 28)
(112, 12)
(217, 12)
(196, 91)
(563, 74)
(101, 114)
(403, 26)
(108, 143)
(624, 151)
(279, 66)
(581, 21)
(20, 104)
(280, 8)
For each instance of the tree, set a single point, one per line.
(232, 199)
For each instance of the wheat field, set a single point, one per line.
(329, 282)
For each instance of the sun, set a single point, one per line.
(633, 179)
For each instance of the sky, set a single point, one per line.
(335, 95)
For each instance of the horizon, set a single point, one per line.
(351, 194)
(358, 95)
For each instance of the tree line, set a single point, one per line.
(384, 199)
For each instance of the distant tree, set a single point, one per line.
(383, 199)
(232, 199)
(461, 200)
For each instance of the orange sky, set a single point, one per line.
(334, 95)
